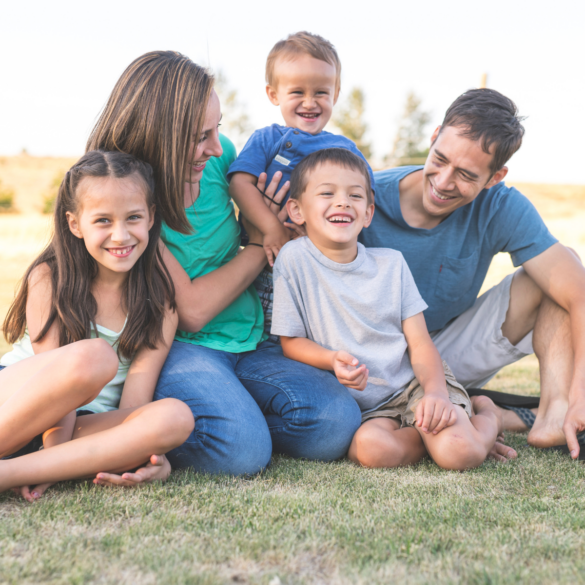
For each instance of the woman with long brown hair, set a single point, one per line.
(247, 399)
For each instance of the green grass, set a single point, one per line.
(307, 522)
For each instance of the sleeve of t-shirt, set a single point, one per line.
(412, 302)
(255, 156)
(518, 229)
(286, 313)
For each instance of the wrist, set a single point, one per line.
(440, 391)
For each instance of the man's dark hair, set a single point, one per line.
(487, 115)
(337, 156)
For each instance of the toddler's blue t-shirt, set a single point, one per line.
(279, 148)
(449, 262)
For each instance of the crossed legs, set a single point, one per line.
(38, 392)
(380, 442)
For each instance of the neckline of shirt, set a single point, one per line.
(328, 263)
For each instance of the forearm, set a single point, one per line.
(61, 432)
(308, 352)
(201, 299)
(428, 368)
(249, 201)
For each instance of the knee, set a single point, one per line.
(172, 423)
(91, 364)
(459, 455)
(373, 447)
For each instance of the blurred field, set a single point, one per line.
(24, 233)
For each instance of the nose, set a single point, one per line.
(119, 232)
(444, 179)
(309, 101)
(342, 201)
(213, 146)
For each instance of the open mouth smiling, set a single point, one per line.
(439, 196)
(121, 252)
(340, 219)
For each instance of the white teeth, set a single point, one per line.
(121, 252)
(439, 196)
(340, 219)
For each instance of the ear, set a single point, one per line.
(369, 215)
(272, 95)
(73, 225)
(336, 96)
(295, 212)
(435, 134)
(151, 212)
(499, 176)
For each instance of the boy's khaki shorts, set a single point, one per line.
(402, 407)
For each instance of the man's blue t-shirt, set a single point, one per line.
(279, 148)
(450, 261)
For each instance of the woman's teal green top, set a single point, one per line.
(214, 242)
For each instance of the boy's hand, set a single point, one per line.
(347, 372)
(274, 241)
(434, 413)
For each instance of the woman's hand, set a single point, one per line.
(275, 201)
(157, 469)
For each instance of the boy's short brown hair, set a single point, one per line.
(336, 156)
(303, 43)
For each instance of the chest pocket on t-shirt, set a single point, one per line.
(456, 276)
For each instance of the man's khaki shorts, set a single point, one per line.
(402, 407)
(473, 344)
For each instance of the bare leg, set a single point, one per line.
(126, 439)
(380, 442)
(37, 392)
(553, 347)
(467, 443)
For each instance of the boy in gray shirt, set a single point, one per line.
(338, 305)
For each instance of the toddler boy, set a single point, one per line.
(303, 79)
(338, 304)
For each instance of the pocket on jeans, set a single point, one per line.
(456, 276)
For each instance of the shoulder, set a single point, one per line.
(229, 150)
(291, 255)
(222, 163)
(387, 256)
(506, 202)
(393, 176)
(40, 276)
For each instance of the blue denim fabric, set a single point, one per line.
(250, 404)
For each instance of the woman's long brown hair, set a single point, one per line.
(155, 111)
(148, 289)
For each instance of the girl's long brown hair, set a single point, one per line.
(157, 108)
(148, 289)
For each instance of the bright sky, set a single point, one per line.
(60, 60)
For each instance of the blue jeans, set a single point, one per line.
(247, 405)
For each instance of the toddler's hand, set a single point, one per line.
(347, 372)
(274, 241)
(434, 413)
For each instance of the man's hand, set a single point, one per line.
(347, 372)
(157, 469)
(274, 241)
(434, 413)
(574, 423)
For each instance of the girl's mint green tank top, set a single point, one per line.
(214, 242)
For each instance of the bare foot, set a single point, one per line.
(512, 422)
(485, 406)
(501, 452)
(548, 427)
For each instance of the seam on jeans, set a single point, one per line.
(294, 401)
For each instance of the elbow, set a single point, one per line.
(192, 321)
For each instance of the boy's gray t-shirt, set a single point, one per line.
(357, 307)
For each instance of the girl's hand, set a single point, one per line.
(157, 469)
(347, 372)
(30, 493)
(434, 413)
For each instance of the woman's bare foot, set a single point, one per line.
(548, 426)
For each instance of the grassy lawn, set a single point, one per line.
(299, 521)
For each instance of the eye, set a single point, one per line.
(102, 220)
(357, 196)
(327, 193)
(134, 217)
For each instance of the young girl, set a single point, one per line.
(91, 326)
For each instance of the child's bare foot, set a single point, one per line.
(484, 406)
(548, 426)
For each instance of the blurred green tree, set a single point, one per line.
(349, 118)
(409, 144)
(6, 199)
(50, 196)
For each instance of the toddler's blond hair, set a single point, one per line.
(303, 43)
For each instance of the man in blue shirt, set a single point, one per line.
(449, 218)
